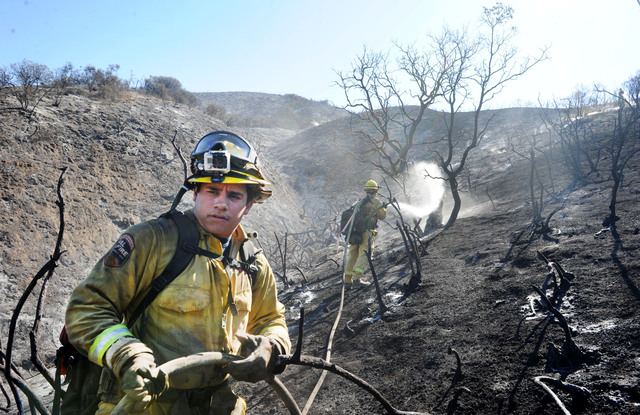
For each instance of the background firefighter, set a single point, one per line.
(372, 210)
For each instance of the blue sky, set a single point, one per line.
(295, 46)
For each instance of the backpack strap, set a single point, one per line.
(246, 264)
(248, 254)
(247, 261)
(188, 235)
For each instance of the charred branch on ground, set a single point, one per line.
(569, 357)
(579, 394)
(381, 307)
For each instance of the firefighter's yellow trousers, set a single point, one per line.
(357, 260)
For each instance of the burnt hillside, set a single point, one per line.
(476, 298)
(121, 168)
(269, 110)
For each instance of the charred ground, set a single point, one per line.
(477, 281)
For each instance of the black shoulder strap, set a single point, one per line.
(248, 254)
(247, 261)
(188, 236)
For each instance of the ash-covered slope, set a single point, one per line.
(121, 168)
(322, 162)
(477, 301)
(476, 295)
(260, 109)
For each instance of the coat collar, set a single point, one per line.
(238, 237)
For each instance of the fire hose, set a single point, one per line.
(194, 371)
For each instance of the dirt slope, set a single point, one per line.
(477, 277)
(121, 169)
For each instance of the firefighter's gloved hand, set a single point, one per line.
(137, 382)
(260, 357)
(134, 365)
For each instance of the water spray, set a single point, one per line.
(426, 187)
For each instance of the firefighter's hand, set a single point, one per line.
(134, 365)
(137, 382)
(259, 359)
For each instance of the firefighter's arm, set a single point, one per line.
(382, 210)
(96, 309)
(100, 304)
(267, 336)
(266, 317)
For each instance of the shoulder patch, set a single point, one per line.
(120, 252)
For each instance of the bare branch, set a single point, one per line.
(318, 363)
(479, 70)
(179, 152)
(45, 270)
(567, 387)
(387, 121)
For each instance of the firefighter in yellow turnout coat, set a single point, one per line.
(208, 307)
(373, 210)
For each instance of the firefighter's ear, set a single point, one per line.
(247, 208)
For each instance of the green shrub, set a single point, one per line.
(169, 89)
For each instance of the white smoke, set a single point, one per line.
(426, 188)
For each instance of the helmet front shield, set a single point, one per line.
(225, 157)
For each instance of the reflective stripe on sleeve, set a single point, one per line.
(272, 329)
(106, 339)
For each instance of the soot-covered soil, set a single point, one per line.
(477, 299)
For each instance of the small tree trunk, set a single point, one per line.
(457, 201)
(614, 198)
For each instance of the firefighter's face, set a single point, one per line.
(220, 207)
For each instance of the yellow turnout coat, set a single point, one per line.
(190, 315)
